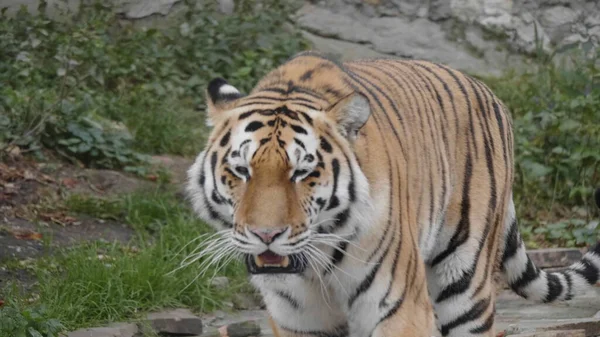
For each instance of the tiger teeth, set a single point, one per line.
(284, 263)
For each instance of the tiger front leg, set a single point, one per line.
(392, 308)
(300, 306)
(411, 319)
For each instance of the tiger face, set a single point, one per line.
(278, 177)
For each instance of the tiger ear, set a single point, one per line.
(219, 96)
(350, 114)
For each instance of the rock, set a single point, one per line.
(555, 257)
(328, 24)
(116, 330)
(244, 301)
(557, 22)
(175, 322)
(572, 333)
(220, 282)
(240, 329)
(138, 9)
(527, 34)
(592, 20)
(127, 329)
(439, 10)
(558, 16)
(342, 50)
(226, 6)
(590, 326)
(110, 182)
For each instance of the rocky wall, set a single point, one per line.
(481, 36)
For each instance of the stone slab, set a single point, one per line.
(176, 322)
(116, 330)
(554, 257)
(572, 333)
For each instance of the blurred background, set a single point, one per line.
(102, 112)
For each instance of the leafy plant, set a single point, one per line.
(28, 322)
(61, 79)
(557, 136)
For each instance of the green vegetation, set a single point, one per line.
(97, 91)
(100, 282)
(556, 112)
(104, 94)
(28, 322)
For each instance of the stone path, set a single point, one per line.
(514, 315)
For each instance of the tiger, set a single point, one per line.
(369, 197)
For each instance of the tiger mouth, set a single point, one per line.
(272, 263)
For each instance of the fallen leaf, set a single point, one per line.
(28, 175)
(58, 217)
(47, 178)
(69, 182)
(25, 234)
(15, 151)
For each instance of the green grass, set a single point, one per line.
(103, 94)
(556, 113)
(107, 282)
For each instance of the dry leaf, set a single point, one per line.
(69, 182)
(25, 234)
(28, 175)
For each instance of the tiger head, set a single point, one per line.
(278, 176)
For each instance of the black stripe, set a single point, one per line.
(463, 284)
(307, 117)
(248, 114)
(448, 92)
(298, 129)
(512, 243)
(474, 313)
(255, 102)
(325, 145)
(225, 138)
(338, 255)
(463, 228)
(288, 298)
(555, 288)
(467, 100)
(376, 99)
(569, 294)
(488, 141)
(395, 307)
(253, 126)
(366, 283)
(304, 105)
(307, 75)
(530, 274)
(589, 272)
(340, 331)
(300, 143)
(485, 327)
(334, 201)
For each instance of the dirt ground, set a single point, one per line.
(32, 222)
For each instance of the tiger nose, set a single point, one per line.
(268, 235)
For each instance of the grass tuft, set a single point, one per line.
(107, 282)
